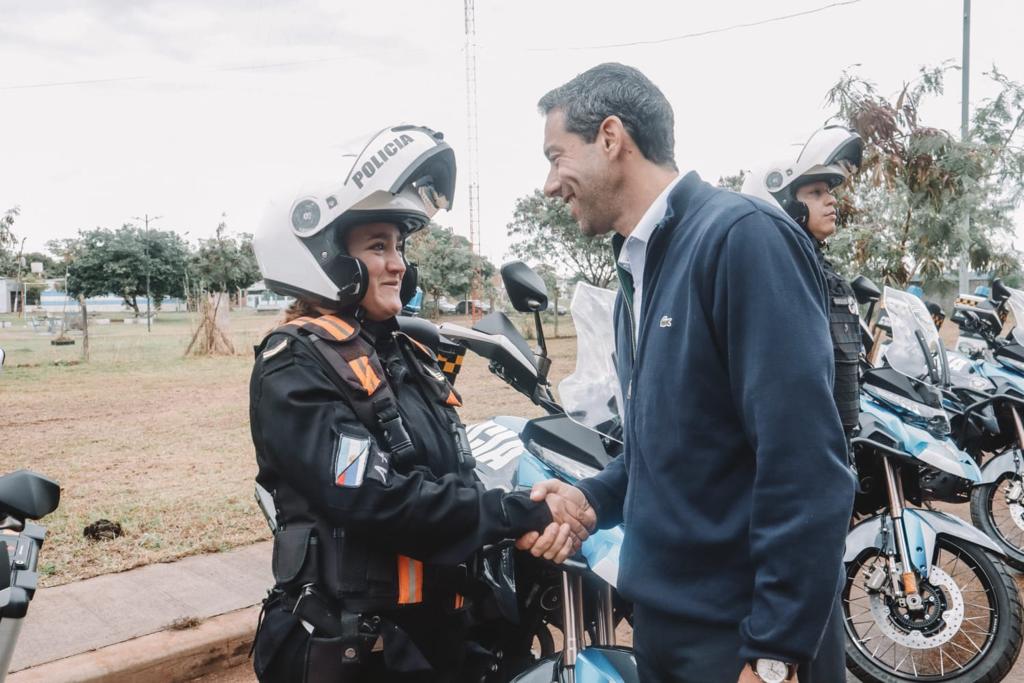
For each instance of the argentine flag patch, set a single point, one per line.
(350, 461)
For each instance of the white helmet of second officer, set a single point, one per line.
(830, 155)
(400, 175)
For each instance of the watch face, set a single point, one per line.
(772, 670)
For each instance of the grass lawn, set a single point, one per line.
(160, 443)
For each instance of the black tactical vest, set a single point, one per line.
(347, 567)
(844, 325)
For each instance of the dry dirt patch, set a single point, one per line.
(156, 442)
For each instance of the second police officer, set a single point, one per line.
(804, 189)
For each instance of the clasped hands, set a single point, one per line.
(572, 521)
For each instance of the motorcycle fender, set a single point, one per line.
(930, 524)
(922, 527)
(593, 665)
(867, 534)
(997, 467)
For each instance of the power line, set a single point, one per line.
(241, 67)
(699, 34)
(304, 62)
(57, 84)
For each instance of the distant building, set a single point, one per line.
(9, 293)
(260, 298)
(54, 302)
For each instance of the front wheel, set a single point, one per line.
(969, 630)
(998, 510)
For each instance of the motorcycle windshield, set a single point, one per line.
(1016, 302)
(591, 394)
(915, 340)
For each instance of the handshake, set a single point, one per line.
(572, 521)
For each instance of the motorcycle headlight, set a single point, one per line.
(934, 420)
(562, 463)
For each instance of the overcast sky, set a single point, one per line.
(188, 109)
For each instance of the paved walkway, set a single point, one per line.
(114, 628)
(86, 615)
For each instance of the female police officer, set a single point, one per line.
(358, 441)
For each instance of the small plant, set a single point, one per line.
(184, 623)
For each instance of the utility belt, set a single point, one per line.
(357, 577)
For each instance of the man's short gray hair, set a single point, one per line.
(613, 89)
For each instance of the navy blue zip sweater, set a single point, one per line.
(734, 486)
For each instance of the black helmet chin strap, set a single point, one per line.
(409, 282)
(799, 212)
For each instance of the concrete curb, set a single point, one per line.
(217, 644)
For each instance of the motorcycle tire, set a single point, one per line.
(918, 643)
(992, 515)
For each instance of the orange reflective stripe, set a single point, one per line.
(453, 400)
(422, 348)
(459, 601)
(365, 373)
(343, 327)
(299, 322)
(410, 581)
(329, 328)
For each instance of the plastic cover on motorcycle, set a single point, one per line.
(910, 319)
(1016, 302)
(591, 395)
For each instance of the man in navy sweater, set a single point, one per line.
(734, 486)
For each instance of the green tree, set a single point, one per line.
(225, 263)
(547, 233)
(8, 243)
(444, 261)
(904, 209)
(120, 262)
(732, 182)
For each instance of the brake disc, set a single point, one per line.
(941, 621)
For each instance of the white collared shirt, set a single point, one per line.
(633, 255)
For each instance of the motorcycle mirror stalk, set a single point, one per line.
(528, 294)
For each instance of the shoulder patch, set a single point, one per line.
(358, 458)
(274, 350)
(351, 456)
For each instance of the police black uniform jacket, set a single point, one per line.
(428, 511)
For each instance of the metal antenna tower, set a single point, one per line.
(473, 144)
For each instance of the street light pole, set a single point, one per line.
(149, 267)
(964, 132)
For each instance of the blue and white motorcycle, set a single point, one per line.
(576, 598)
(927, 595)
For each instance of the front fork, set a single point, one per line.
(904, 584)
(1015, 494)
(573, 627)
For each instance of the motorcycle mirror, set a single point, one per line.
(27, 495)
(865, 290)
(999, 291)
(526, 289)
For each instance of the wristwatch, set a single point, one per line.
(773, 670)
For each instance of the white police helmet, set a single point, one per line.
(401, 175)
(830, 155)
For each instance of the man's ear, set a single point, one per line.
(612, 137)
